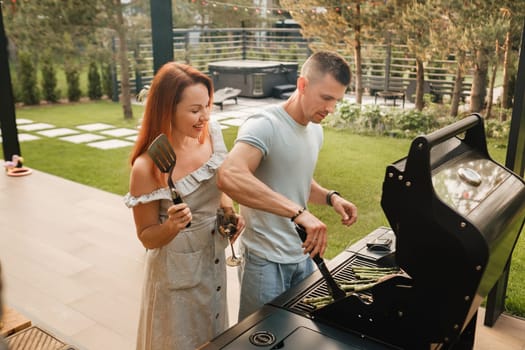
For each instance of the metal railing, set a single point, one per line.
(383, 67)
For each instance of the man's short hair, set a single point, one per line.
(327, 62)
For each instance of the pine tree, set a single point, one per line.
(49, 80)
(94, 86)
(107, 80)
(73, 84)
(28, 80)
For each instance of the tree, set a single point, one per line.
(482, 54)
(416, 20)
(49, 79)
(515, 13)
(28, 79)
(114, 19)
(79, 20)
(73, 86)
(205, 14)
(71, 68)
(94, 84)
(343, 26)
(451, 25)
(338, 28)
(107, 82)
(481, 25)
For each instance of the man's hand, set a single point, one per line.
(316, 235)
(346, 209)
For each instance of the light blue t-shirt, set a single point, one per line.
(290, 152)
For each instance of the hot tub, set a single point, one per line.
(254, 78)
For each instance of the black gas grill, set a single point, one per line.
(455, 217)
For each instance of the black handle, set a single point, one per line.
(302, 234)
(438, 136)
(177, 199)
(333, 288)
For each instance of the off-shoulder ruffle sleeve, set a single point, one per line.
(132, 201)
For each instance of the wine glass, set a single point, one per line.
(227, 227)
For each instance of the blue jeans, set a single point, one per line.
(263, 280)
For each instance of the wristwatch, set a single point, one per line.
(329, 197)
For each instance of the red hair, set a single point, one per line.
(163, 96)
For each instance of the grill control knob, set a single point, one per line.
(470, 176)
(262, 338)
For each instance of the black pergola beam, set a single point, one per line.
(10, 144)
(161, 32)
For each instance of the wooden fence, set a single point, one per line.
(385, 67)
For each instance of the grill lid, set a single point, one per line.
(456, 215)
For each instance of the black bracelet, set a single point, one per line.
(299, 212)
(329, 197)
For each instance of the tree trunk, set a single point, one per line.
(458, 87)
(358, 59)
(490, 96)
(420, 78)
(358, 72)
(506, 64)
(478, 91)
(125, 94)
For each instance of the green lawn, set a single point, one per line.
(352, 164)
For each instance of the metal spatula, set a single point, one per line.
(165, 159)
(333, 288)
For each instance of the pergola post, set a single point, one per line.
(10, 143)
(515, 161)
(161, 32)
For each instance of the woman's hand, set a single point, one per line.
(232, 217)
(179, 215)
(241, 224)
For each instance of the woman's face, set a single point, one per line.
(193, 111)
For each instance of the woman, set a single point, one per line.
(184, 295)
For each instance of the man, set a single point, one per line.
(269, 171)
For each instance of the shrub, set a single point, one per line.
(28, 81)
(345, 115)
(414, 122)
(73, 84)
(49, 80)
(94, 86)
(107, 80)
(395, 122)
(17, 95)
(497, 129)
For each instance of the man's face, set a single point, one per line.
(320, 97)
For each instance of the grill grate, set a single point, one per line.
(320, 289)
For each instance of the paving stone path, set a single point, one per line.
(106, 136)
(97, 135)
